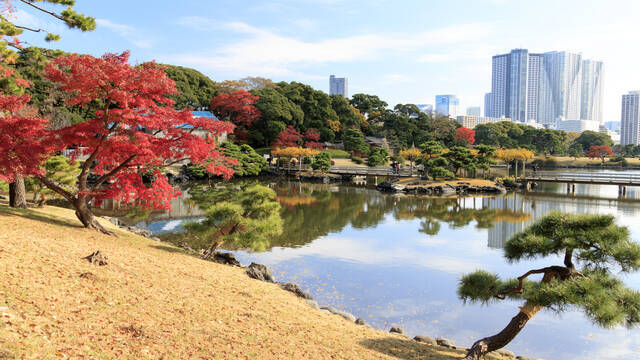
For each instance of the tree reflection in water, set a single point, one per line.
(310, 211)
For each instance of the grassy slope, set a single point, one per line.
(152, 301)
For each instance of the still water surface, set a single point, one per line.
(396, 260)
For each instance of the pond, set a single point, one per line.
(396, 260)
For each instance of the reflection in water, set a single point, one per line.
(396, 260)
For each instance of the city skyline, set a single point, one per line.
(545, 87)
(385, 50)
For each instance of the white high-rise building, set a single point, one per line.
(591, 100)
(338, 86)
(562, 86)
(545, 87)
(630, 119)
(515, 85)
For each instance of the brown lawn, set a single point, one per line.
(154, 302)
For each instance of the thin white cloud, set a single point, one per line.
(266, 53)
(128, 32)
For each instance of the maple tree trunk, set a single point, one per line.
(17, 196)
(84, 214)
(484, 346)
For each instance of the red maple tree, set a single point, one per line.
(236, 107)
(312, 139)
(288, 137)
(599, 151)
(465, 134)
(133, 131)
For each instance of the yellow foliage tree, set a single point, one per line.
(334, 125)
(518, 154)
(411, 154)
(293, 153)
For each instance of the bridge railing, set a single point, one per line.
(584, 177)
(377, 171)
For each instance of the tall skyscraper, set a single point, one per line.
(515, 85)
(545, 87)
(562, 79)
(630, 119)
(447, 105)
(473, 111)
(338, 86)
(487, 104)
(591, 100)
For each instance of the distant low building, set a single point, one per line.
(378, 141)
(472, 121)
(533, 124)
(578, 125)
(614, 135)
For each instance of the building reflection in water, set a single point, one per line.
(587, 199)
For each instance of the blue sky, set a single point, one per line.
(403, 51)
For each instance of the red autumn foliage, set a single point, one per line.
(599, 151)
(312, 139)
(288, 137)
(237, 107)
(135, 132)
(466, 134)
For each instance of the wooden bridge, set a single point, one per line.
(355, 171)
(370, 171)
(572, 178)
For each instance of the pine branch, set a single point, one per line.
(28, 2)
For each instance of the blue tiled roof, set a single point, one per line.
(206, 114)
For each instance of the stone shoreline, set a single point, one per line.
(262, 273)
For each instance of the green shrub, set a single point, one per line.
(322, 162)
(357, 160)
(337, 154)
(377, 157)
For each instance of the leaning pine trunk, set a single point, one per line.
(84, 214)
(17, 193)
(484, 346)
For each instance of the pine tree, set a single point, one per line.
(60, 169)
(595, 242)
(246, 217)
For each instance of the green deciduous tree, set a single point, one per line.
(195, 90)
(277, 113)
(367, 104)
(601, 247)
(246, 217)
(590, 138)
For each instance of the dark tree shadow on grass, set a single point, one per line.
(171, 249)
(408, 349)
(29, 214)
